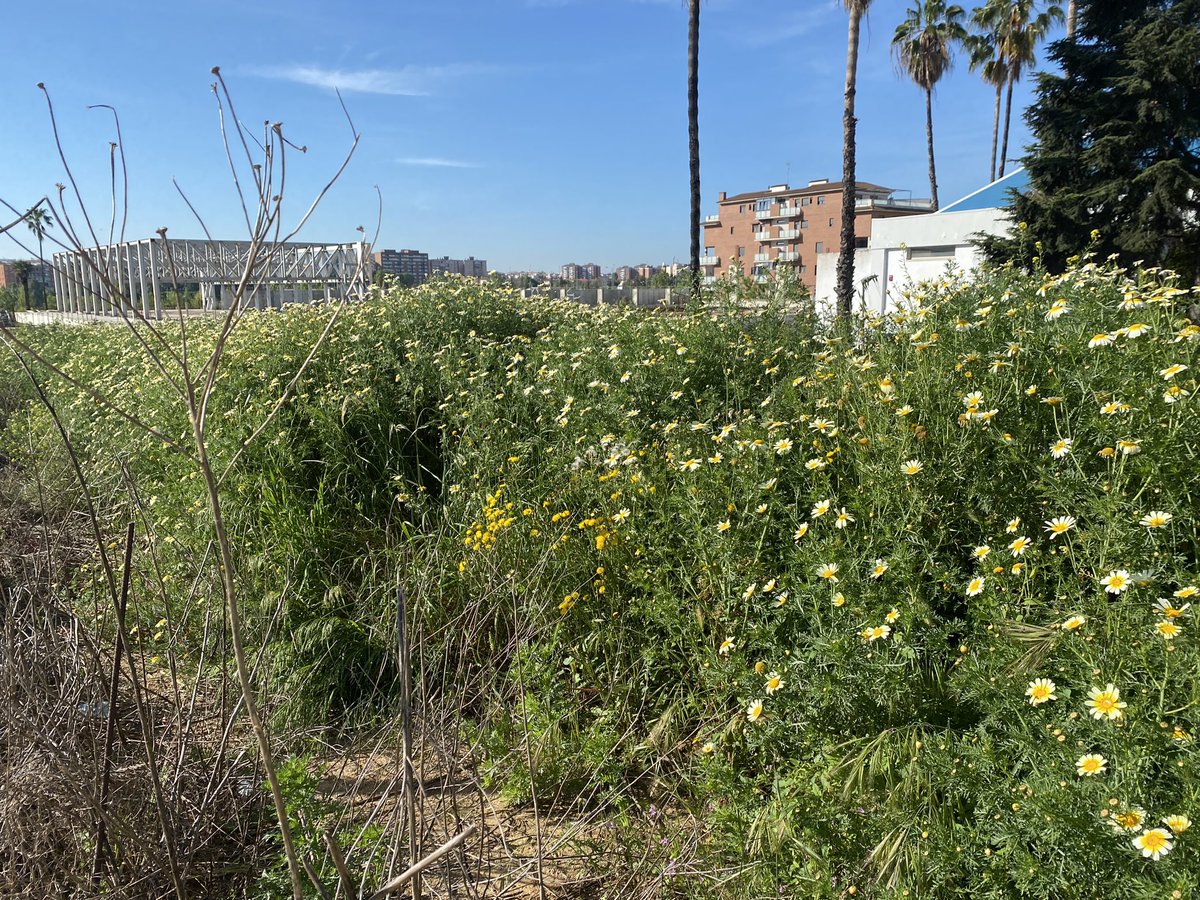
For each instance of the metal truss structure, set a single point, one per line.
(131, 279)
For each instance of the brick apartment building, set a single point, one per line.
(411, 266)
(791, 226)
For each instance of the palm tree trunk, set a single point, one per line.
(845, 262)
(1070, 19)
(42, 270)
(929, 137)
(694, 136)
(996, 131)
(1007, 118)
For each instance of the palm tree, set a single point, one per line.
(1070, 19)
(23, 268)
(39, 221)
(1019, 27)
(694, 136)
(985, 58)
(923, 47)
(845, 264)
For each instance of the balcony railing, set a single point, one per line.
(789, 234)
(892, 203)
(764, 214)
(710, 260)
(712, 220)
(761, 279)
(787, 256)
(762, 257)
(788, 212)
(710, 279)
(764, 236)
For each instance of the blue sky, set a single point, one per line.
(527, 132)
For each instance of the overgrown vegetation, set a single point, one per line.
(897, 612)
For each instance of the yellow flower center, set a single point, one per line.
(1105, 702)
(1154, 840)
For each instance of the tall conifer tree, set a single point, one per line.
(1117, 140)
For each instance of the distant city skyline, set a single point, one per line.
(469, 116)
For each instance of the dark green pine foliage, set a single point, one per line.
(1117, 141)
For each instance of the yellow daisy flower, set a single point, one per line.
(1169, 609)
(1041, 690)
(1154, 844)
(1155, 519)
(1060, 525)
(1171, 371)
(1178, 823)
(1167, 629)
(1091, 764)
(1116, 582)
(1105, 704)
(754, 711)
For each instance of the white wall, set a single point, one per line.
(887, 255)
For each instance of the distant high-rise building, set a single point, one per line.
(626, 273)
(576, 272)
(471, 267)
(410, 266)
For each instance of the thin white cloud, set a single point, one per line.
(407, 81)
(436, 162)
(787, 26)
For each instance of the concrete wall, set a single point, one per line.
(888, 257)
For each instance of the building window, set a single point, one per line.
(860, 243)
(820, 246)
(802, 267)
(731, 229)
(804, 223)
(741, 207)
(945, 252)
(741, 251)
(831, 221)
(820, 201)
(763, 205)
(804, 201)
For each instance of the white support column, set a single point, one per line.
(89, 274)
(154, 281)
(85, 284)
(56, 278)
(141, 263)
(130, 284)
(73, 278)
(116, 260)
